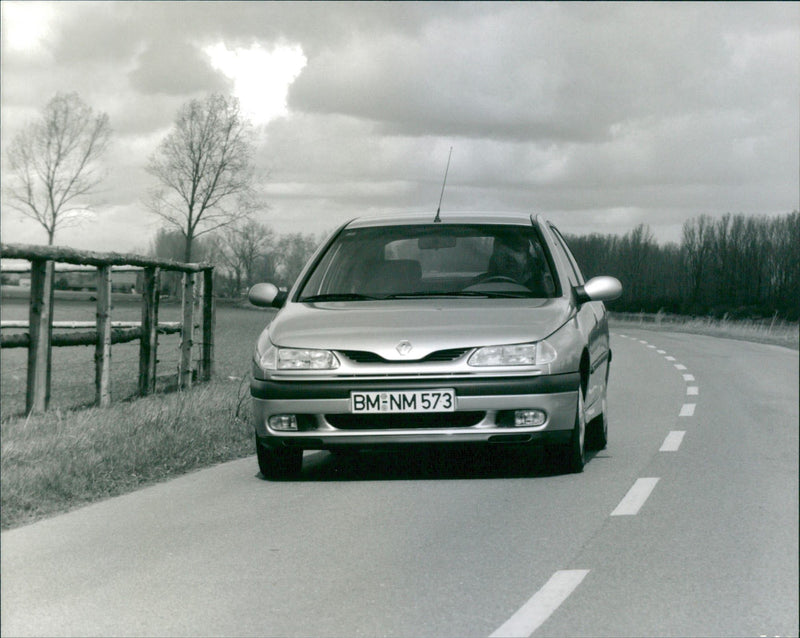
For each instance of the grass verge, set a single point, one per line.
(54, 462)
(781, 334)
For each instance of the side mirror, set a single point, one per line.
(599, 289)
(266, 296)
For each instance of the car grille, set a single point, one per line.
(404, 421)
(362, 356)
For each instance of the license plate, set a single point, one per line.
(403, 401)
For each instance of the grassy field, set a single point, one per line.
(66, 458)
(69, 457)
(73, 367)
(775, 332)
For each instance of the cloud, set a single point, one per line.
(542, 72)
(33, 24)
(176, 67)
(604, 115)
(260, 77)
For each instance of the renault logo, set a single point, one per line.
(404, 347)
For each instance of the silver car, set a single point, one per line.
(472, 328)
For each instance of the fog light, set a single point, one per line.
(283, 422)
(529, 418)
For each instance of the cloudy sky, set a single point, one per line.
(600, 115)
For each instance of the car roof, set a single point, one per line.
(468, 217)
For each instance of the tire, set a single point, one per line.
(597, 430)
(571, 457)
(278, 463)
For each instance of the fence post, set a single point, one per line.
(102, 355)
(209, 321)
(40, 324)
(197, 353)
(148, 344)
(187, 332)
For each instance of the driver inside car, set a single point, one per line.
(513, 258)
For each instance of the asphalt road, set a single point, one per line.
(687, 525)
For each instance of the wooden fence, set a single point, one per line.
(197, 285)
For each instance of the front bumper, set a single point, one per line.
(484, 402)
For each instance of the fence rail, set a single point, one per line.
(122, 333)
(197, 290)
(75, 257)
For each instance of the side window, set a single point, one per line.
(576, 271)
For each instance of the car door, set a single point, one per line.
(593, 324)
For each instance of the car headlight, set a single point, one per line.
(274, 358)
(524, 354)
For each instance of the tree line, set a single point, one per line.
(738, 266)
(242, 254)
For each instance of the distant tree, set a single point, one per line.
(697, 245)
(650, 274)
(53, 163)
(170, 244)
(291, 253)
(204, 167)
(740, 266)
(242, 249)
(782, 265)
(752, 260)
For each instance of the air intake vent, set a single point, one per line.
(361, 356)
(404, 421)
(447, 355)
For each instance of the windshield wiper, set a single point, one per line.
(463, 293)
(337, 296)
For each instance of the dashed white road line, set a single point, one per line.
(542, 604)
(555, 591)
(635, 498)
(673, 441)
(687, 409)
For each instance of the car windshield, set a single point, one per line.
(428, 260)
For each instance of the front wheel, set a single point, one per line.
(278, 463)
(571, 457)
(597, 430)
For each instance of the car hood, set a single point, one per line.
(429, 325)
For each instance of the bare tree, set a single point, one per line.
(205, 170)
(291, 253)
(241, 248)
(745, 266)
(697, 246)
(170, 244)
(53, 163)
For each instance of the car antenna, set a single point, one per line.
(438, 219)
